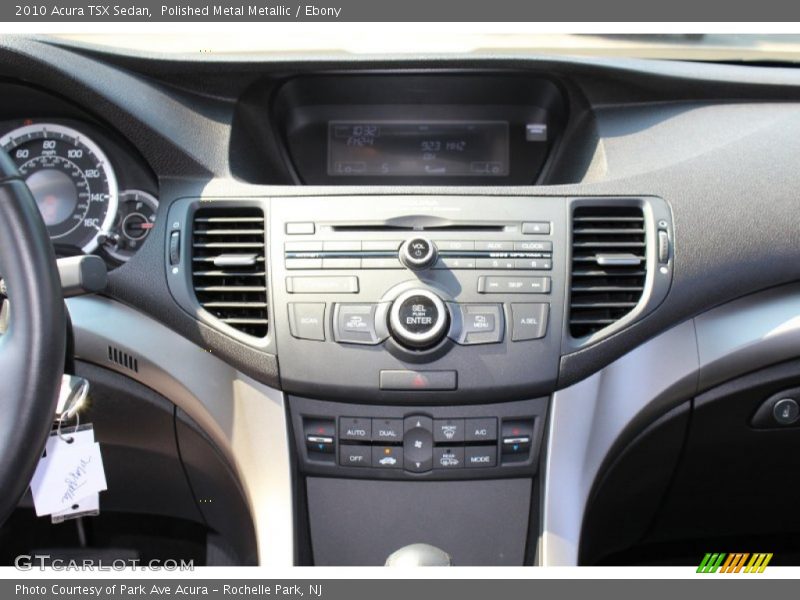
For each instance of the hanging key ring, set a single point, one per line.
(69, 439)
(72, 408)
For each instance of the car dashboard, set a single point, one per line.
(515, 307)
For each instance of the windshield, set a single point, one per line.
(437, 38)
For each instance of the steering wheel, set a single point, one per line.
(33, 347)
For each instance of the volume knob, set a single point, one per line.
(418, 253)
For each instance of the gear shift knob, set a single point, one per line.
(419, 555)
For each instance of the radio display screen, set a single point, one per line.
(418, 148)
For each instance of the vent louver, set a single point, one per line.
(608, 266)
(228, 267)
(123, 359)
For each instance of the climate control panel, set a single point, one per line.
(437, 443)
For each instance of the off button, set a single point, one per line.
(355, 456)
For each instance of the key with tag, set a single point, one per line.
(70, 470)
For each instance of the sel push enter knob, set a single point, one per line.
(418, 318)
(418, 253)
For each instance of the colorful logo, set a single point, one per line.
(734, 563)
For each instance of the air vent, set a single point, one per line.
(608, 266)
(123, 359)
(228, 267)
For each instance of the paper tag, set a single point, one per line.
(68, 472)
(85, 507)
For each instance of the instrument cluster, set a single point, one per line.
(92, 200)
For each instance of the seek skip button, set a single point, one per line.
(355, 428)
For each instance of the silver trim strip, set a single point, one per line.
(748, 334)
(246, 419)
(586, 419)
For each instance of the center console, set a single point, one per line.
(409, 321)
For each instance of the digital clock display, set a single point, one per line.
(418, 148)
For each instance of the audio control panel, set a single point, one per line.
(346, 440)
(405, 299)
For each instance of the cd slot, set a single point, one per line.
(417, 227)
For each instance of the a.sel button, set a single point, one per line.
(529, 321)
(355, 456)
(480, 456)
(355, 428)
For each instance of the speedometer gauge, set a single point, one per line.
(71, 179)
